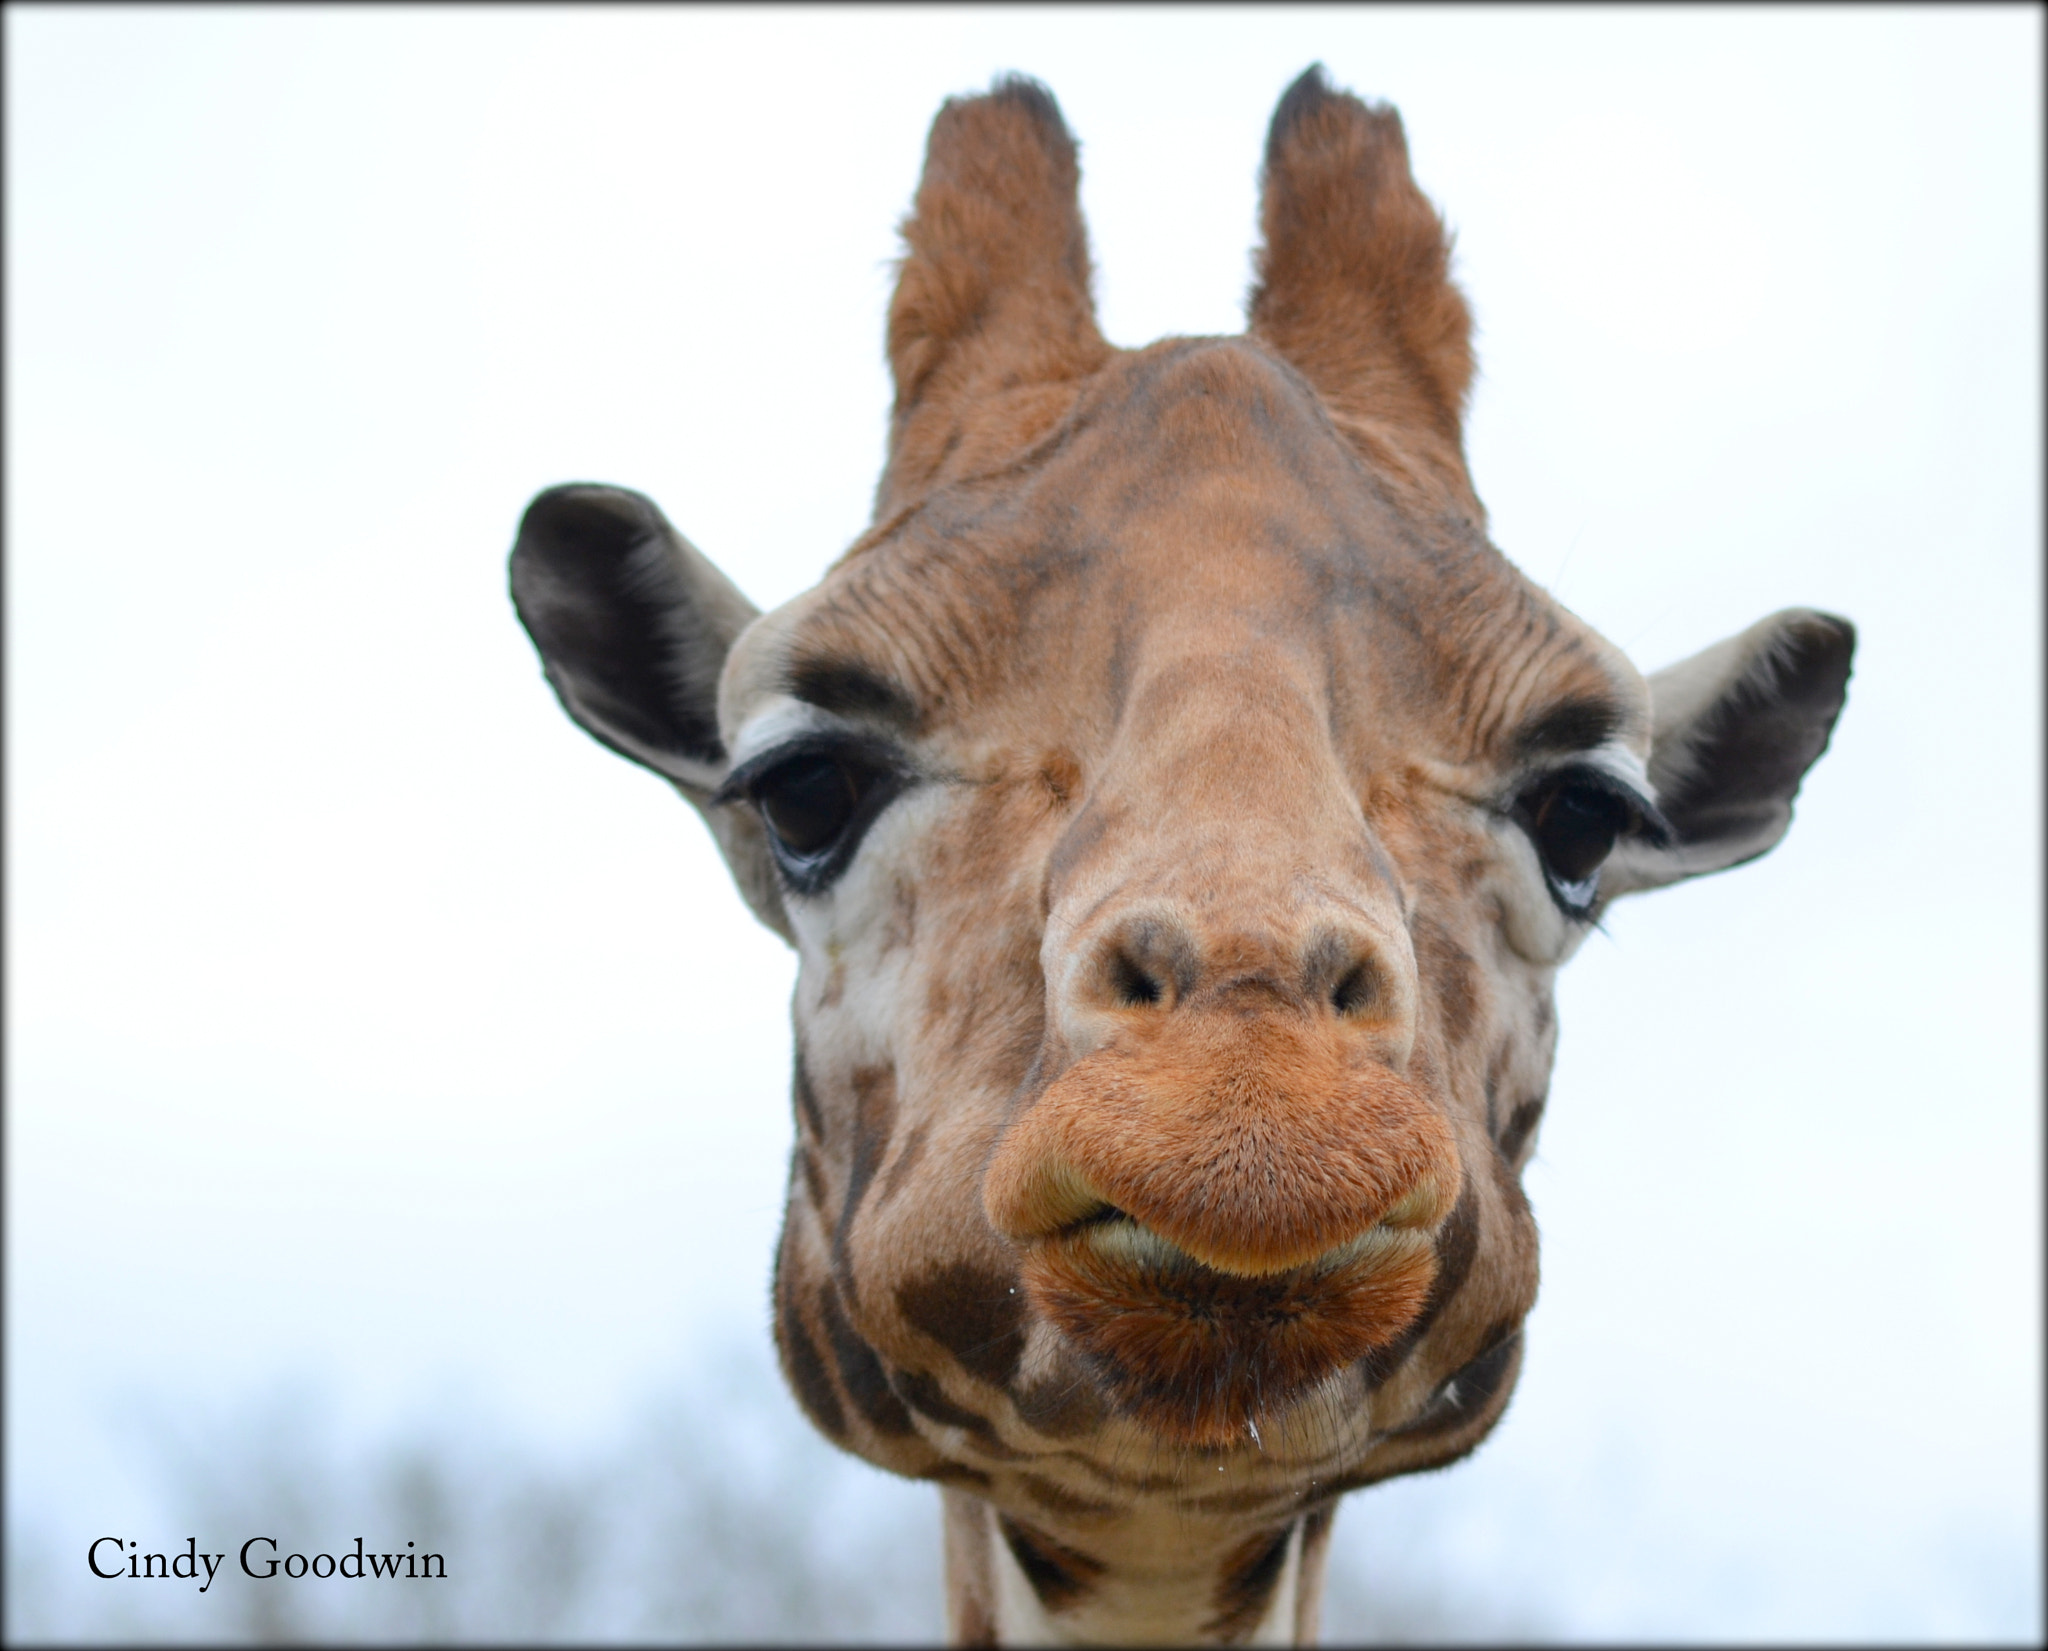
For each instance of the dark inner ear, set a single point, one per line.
(1739, 770)
(635, 658)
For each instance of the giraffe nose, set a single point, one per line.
(1333, 967)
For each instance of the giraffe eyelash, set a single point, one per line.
(816, 797)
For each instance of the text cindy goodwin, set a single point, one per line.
(114, 1556)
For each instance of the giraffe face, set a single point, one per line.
(1180, 811)
(1176, 939)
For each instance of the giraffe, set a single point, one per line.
(1180, 811)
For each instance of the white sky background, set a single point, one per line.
(366, 1019)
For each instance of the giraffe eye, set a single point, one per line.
(817, 803)
(1575, 821)
(809, 802)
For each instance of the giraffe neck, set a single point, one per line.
(1161, 1580)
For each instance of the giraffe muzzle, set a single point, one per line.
(1222, 1210)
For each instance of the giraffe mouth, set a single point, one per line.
(1201, 1356)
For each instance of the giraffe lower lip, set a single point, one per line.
(1199, 1355)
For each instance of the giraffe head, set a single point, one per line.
(1180, 811)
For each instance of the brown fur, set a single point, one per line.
(1058, 1573)
(1247, 1582)
(1196, 1355)
(970, 1605)
(1315, 1554)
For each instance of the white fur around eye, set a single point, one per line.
(1536, 929)
(851, 916)
(774, 721)
(849, 937)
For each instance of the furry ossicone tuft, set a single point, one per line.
(993, 289)
(1354, 280)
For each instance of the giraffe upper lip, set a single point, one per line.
(1251, 1179)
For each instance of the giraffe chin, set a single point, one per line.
(1198, 1356)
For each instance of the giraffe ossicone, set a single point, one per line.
(1180, 811)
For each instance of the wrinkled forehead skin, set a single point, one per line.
(1165, 622)
(1191, 521)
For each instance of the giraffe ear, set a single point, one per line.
(1354, 283)
(633, 625)
(993, 289)
(1734, 730)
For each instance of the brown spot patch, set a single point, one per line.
(807, 1099)
(1144, 1482)
(957, 1473)
(1315, 1556)
(1457, 1243)
(1496, 1074)
(1450, 978)
(1469, 1393)
(975, 1314)
(992, 1015)
(1520, 1126)
(874, 1115)
(924, 1395)
(1359, 1478)
(1061, 1408)
(899, 930)
(1059, 1575)
(905, 1162)
(1057, 1499)
(860, 1371)
(814, 1177)
(976, 1627)
(802, 1365)
(1508, 1180)
(1246, 1501)
(1246, 1585)
(970, 1578)
(938, 1004)
(1060, 774)
(1462, 1412)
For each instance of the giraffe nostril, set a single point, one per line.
(1134, 986)
(1356, 991)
